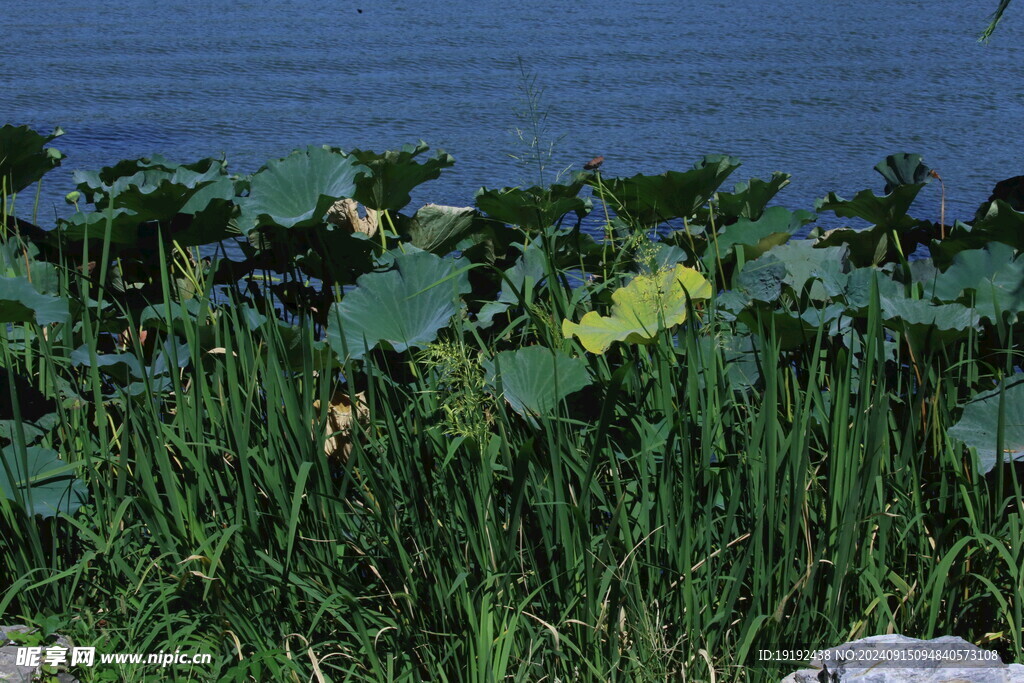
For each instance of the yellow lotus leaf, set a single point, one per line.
(641, 309)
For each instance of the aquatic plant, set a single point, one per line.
(395, 456)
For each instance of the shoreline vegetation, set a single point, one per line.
(476, 443)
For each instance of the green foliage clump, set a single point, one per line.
(382, 450)
(460, 382)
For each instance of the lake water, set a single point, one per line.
(820, 90)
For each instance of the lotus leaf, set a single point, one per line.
(438, 229)
(23, 157)
(517, 285)
(738, 355)
(19, 259)
(888, 211)
(925, 322)
(795, 330)
(122, 366)
(33, 431)
(21, 303)
(999, 223)
(404, 307)
(655, 199)
(489, 241)
(990, 280)
(99, 186)
(40, 482)
(145, 175)
(903, 169)
(641, 309)
(982, 417)
(854, 287)
(297, 191)
(122, 225)
(806, 263)
(762, 279)
(534, 208)
(926, 313)
(730, 303)
(193, 202)
(775, 226)
(665, 255)
(535, 379)
(393, 175)
(881, 244)
(748, 200)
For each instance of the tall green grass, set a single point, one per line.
(665, 524)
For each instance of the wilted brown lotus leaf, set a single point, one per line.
(345, 214)
(339, 422)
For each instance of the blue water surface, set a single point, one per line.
(820, 90)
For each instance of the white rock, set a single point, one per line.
(899, 659)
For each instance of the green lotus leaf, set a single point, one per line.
(866, 248)
(762, 279)
(81, 225)
(854, 287)
(534, 208)
(748, 200)
(193, 202)
(641, 309)
(393, 175)
(655, 199)
(806, 264)
(775, 226)
(664, 255)
(296, 191)
(40, 482)
(32, 430)
(928, 314)
(24, 158)
(192, 319)
(927, 323)
(97, 185)
(404, 307)
(143, 176)
(19, 259)
(903, 169)
(123, 366)
(793, 330)
(889, 219)
(990, 280)
(888, 212)
(164, 200)
(980, 422)
(738, 355)
(21, 303)
(489, 241)
(438, 229)
(518, 284)
(999, 223)
(535, 379)
(878, 244)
